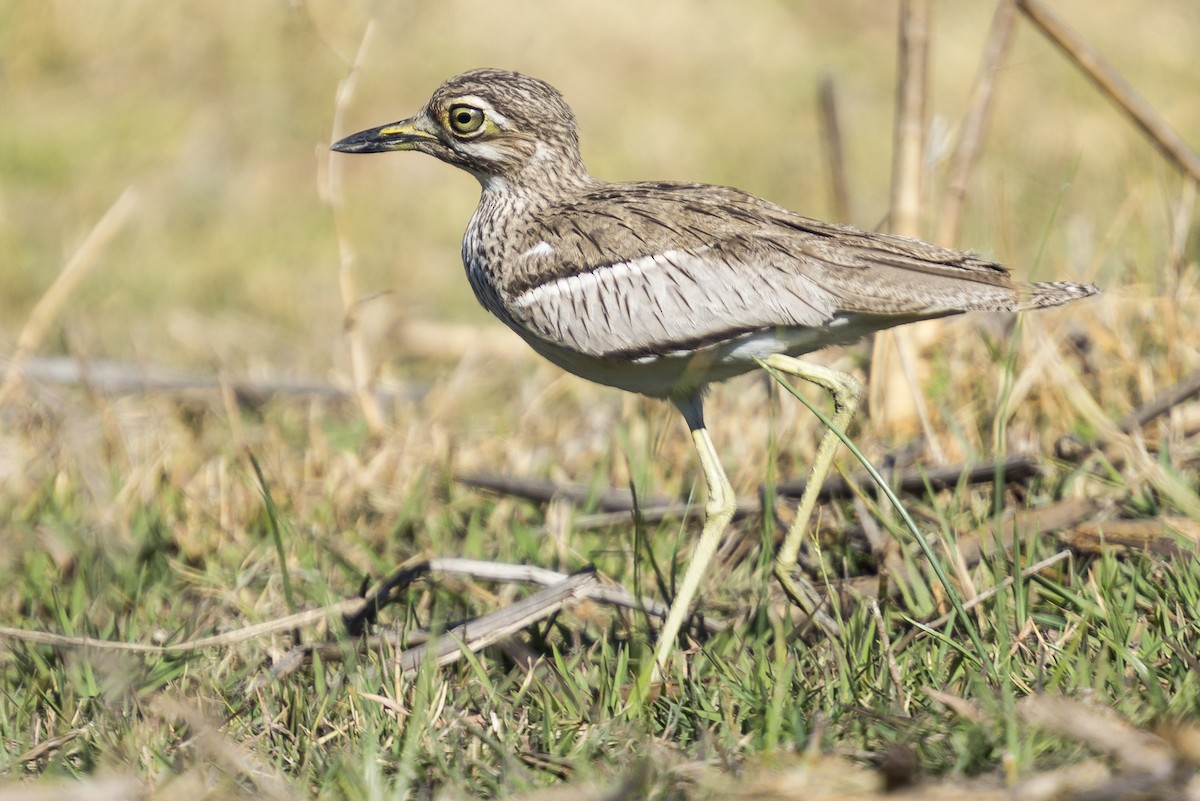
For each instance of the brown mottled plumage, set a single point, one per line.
(638, 285)
(661, 288)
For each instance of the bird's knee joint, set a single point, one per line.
(848, 392)
(721, 507)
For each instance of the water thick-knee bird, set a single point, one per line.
(661, 288)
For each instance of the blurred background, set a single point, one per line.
(217, 118)
(218, 115)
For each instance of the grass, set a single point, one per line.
(155, 518)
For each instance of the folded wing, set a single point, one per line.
(637, 270)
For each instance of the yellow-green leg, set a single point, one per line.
(846, 392)
(718, 512)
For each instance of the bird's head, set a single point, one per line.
(503, 127)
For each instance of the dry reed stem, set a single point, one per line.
(72, 274)
(834, 146)
(360, 368)
(1118, 90)
(970, 137)
(895, 400)
(911, 90)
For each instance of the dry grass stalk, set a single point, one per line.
(970, 137)
(1141, 757)
(976, 600)
(361, 373)
(1116, 88)
(885, 645)
(52, 302)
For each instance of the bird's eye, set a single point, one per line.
(465, 119)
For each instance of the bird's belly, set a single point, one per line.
(679, 374)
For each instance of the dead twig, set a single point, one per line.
(1156, 535)
(975, 546)
(609, 499)
(355, 612)
(1116, 446)
(46, 747)
(1015, 469)
(252, 632)
(993, 536)
(1146, 764)
(1167, 400)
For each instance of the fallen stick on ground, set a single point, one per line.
(122, 378)
(619, 503)
(495, 571)
(477, 634)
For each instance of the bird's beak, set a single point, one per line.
(403, 135)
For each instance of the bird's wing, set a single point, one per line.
(632, 270)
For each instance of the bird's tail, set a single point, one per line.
(1047, 294)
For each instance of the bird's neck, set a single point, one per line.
(547, 176)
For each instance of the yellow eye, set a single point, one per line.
(465, 119)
